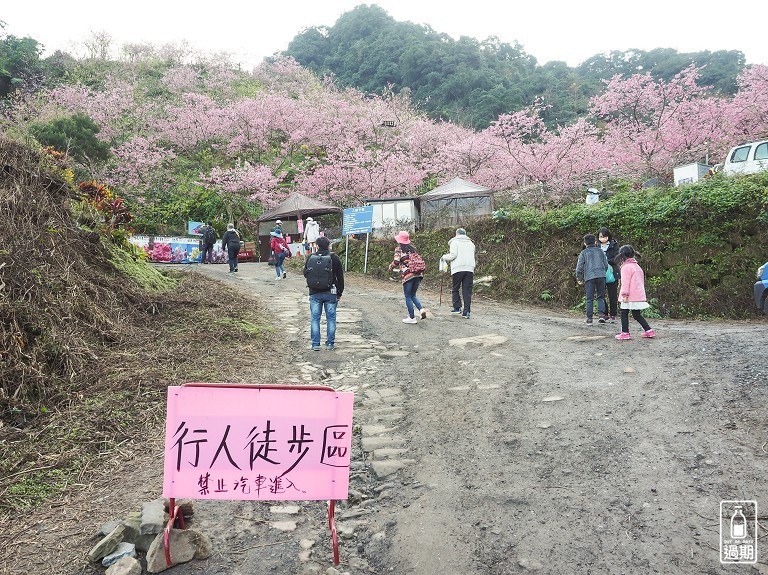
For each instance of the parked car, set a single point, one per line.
(761, 288)
(748, 158)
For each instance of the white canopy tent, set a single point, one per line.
(454, 203)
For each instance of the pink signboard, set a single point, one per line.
(255, 443)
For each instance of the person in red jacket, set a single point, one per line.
(280, 248)
(632, 293)
(411, 276)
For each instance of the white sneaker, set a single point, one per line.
(410, 320)
(278, 278)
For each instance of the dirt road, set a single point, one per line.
(519, 440)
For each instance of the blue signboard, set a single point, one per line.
(193, 228)
(358, 221)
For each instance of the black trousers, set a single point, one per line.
(463, 281)
(232, 257)
(638, 317)
(595, 289)
(613, 297)
(208, 251)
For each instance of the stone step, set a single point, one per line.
(388, 453)
(372, 443)
(389, 467)
(372, 430)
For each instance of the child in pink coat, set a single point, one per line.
(632, 293)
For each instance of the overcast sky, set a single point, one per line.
(548, 30)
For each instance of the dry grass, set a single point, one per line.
(89, 459)
(86, 356)
(61, 304)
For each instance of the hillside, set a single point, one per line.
(471, 81)
(187, 138)
(91, 335)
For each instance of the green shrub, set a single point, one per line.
(699, 246)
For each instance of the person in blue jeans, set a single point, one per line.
(410, 276)
(325, 299)
(281, 250)
(411, 300)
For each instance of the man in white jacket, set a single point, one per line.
(462, 259)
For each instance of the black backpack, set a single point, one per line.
(209, 237)
(319, 272)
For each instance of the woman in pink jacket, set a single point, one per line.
(632, 293)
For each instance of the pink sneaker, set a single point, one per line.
(649, 333)
(623, 335)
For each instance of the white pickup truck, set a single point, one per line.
(748, 158)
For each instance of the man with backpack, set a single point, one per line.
(325, 280)
(208, 241)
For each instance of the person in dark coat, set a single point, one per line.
(230, 243)
(610, 248)
(208, 241)
(327, 299)
(590, 271)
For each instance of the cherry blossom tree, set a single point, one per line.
(747, 113)
(113, 109)
(198, 120)
(346, 179)
(139, 164)
(243, 181)
(649, 123)
(556, 160)
(466, 154)
(256, 136)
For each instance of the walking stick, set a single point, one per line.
(442, 276)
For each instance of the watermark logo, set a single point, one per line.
(738, 532)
